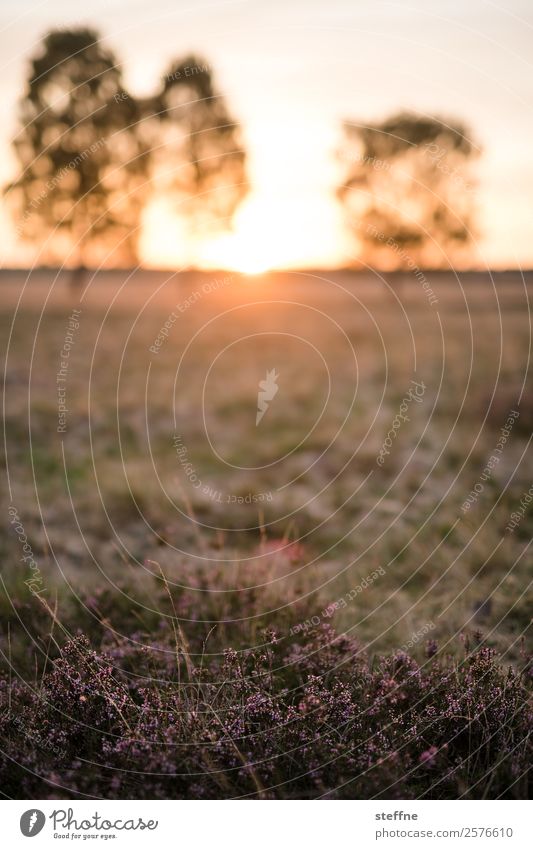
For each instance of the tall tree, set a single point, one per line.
(202, 158)
(407, 189)
(83, 165)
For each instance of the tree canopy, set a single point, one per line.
(407, 189)
(204, 159)
(89, 150)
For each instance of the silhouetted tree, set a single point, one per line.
(90, 153)
(408, 190)
(202, 159)
(82, 161)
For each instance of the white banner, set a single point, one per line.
(265, 825)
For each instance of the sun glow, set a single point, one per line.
(250, 247)
(245, 248)
(269, 232)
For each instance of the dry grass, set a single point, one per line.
(120, 502)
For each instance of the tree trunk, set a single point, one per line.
(77, 277)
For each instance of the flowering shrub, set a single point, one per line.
(299, 720)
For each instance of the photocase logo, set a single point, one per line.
(267, 390)
(32, 822)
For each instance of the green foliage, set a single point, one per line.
(201, 142)
(407, 189)
(91, 155)
(83, 165)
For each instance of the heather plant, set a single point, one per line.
(305, 719)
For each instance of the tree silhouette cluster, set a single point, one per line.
(92, 155)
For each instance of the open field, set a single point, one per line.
(376, 494)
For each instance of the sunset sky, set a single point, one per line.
(292, 71)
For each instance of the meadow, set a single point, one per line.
(333, 601)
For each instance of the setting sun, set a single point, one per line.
(269, 232)
(244, 249)
(166, 242)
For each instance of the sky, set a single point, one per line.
(292, 72)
